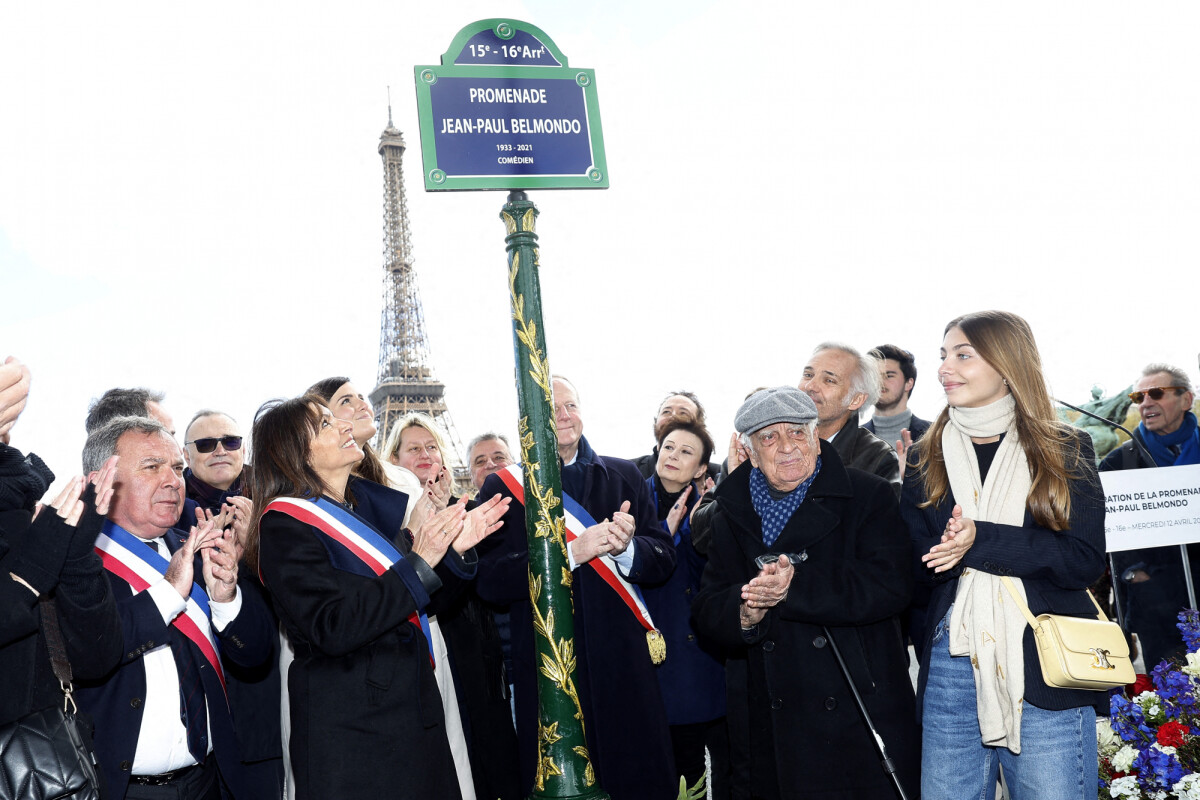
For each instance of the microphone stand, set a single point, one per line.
(1187, 563)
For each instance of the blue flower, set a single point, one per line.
(1175, 691)
(1129, 721)
(1158, 769)
(1189, 626)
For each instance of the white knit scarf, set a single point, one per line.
(985, 623)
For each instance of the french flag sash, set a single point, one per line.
(363, 550)
(579, 520)
(141, 566)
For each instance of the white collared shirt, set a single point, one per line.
(162, 738)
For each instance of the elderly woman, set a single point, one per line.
(804, 549)
(366, 713)
(692, 678)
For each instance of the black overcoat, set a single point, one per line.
(806, 736)
(366, 714)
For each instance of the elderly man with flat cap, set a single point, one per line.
(805, 550)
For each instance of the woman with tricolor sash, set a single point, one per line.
(469, 660)
(366, 715)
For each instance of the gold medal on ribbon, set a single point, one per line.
(657, 645)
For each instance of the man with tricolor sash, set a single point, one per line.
(614, 544)
(163, 722)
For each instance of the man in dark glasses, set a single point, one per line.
(1152, 579)
(215, 456)
(1163, 396)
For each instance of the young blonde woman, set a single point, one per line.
(999, 487)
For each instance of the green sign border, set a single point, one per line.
(426, 75)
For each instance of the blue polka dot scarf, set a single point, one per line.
(776, 513)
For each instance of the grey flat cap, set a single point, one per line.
(781, 404)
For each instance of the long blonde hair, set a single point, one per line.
(1005, 341)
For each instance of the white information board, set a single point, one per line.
(1151, 507)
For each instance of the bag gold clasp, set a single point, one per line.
(1100, 658)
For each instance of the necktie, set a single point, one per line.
(193, 709)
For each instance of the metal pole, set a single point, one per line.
(564, 769)
(1187, 575)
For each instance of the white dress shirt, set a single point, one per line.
(162, 739)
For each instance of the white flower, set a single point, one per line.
(1126, 787)
(1106, 737)
(1193, 664)
(1188, 787)
(1149, 703)
(1122, 760)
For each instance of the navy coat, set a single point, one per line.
(692, 678)
(116, 703)
(626, 725)
(1054, 566)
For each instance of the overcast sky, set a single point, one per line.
(191, 199)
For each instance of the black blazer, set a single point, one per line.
(116, 702)
(1055, 566)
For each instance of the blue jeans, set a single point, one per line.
(1058, 748)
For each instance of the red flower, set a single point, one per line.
(1141, 684)
(1171, 734)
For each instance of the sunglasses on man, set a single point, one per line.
(1155, 394)
(209, 443)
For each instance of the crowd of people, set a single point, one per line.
(330, 621)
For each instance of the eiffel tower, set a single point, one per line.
(406, 379)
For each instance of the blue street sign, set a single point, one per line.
(505, 111)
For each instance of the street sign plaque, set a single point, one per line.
(505, 111)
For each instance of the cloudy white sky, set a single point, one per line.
(190, 199)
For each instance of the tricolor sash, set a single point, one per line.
(363, 551)
(577, 521)
(140, 565)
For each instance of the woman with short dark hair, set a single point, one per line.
(692, 677)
